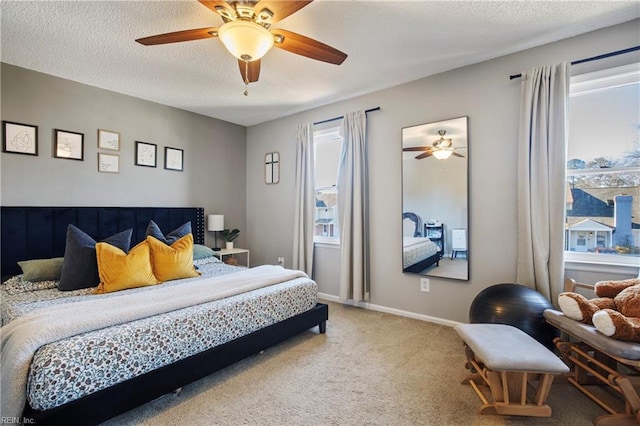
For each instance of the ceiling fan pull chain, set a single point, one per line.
(246, 78)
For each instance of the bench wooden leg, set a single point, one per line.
(508, 390)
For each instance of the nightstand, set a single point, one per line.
(435, 232)
(230, 252)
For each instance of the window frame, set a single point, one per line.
(583, 84)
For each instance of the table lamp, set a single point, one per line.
(215, 223)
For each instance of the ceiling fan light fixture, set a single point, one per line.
(442, 154)
(245, 40)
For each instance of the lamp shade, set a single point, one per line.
(443, 154)
(215, 222)
(245, 40)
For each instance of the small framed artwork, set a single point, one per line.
(146, 154)
(272, 167)
(108, 139)
(108, 163)
(69, 145)
(173, 158)
(19, 138)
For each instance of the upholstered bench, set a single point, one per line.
(508, 360)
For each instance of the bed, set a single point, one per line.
(135, 355)
(418, 252)
(601, 367)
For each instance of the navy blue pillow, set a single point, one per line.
(80, 267)
(154, 230)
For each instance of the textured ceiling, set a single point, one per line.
(388, 43)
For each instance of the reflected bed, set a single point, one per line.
(418, 253)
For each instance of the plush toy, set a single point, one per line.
(615, 312)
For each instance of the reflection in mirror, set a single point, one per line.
(435, 199)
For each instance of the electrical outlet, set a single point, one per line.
(425, 285)
(281, 261)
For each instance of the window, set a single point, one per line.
(603, 167)
(328, 143)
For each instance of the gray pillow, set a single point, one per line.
(202, 252)
(154, 230)
(80, 266)
(41, 269)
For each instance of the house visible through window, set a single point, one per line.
(328, 143)
(603, 167)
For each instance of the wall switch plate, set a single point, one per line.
(281, 261)
(425, 285)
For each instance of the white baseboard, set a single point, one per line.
(393, 311)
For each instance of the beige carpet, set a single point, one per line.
(370, 368)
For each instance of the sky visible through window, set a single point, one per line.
(609, 123)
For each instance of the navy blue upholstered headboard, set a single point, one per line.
(40, 232)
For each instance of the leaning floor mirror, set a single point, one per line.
(435, 219)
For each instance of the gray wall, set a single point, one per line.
(214, 151)
(484, 93)
(224, 169)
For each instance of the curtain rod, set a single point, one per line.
(593, 58)
(342, 116)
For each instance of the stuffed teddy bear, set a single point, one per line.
(614, 313)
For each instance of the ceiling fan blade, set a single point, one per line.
(223, 8)
(279, 9)
(250, 71)
(424, 155)
(178, 36)
(417, 148)
(305, 46)
(457, 155)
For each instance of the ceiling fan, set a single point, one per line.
(441, 148)
(247, 35)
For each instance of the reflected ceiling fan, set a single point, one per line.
(441, 148)
(247, 35)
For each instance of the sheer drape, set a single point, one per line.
(542, 178)
(304, 214)
(353, 208)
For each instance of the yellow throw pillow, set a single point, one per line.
(172, 262)
(120, 271)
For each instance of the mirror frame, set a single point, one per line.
(446, 222)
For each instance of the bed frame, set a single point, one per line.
(40, 232)
(423, 264)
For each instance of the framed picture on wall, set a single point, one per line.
(19, 138)
(108, 139)
(146, 154)
(173, 158)
(108, 163)
(272, 168)
(69, 145)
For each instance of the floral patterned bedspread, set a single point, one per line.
(69, 369)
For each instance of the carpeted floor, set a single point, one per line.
(370, 368)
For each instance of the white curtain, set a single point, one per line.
(304, 214)
(353, 208)
(542, 178)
